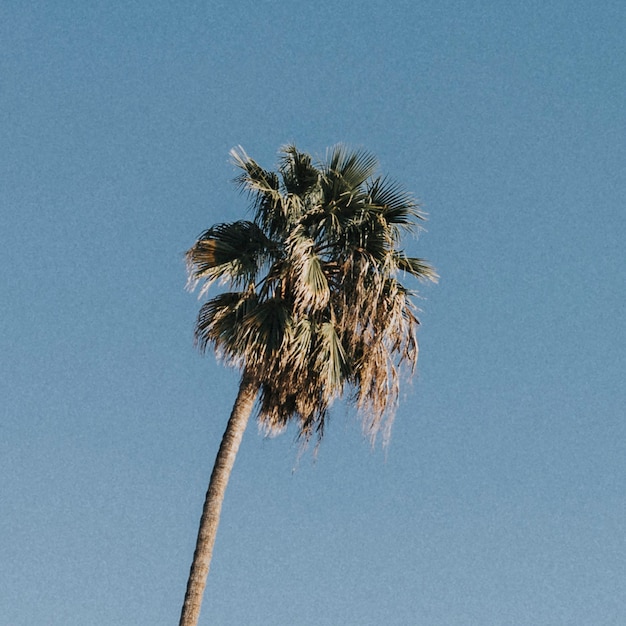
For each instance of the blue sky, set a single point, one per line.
(500, 499)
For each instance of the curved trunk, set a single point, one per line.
(213, 502)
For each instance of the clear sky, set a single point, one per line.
(501, 498)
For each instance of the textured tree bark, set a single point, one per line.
(213, 502)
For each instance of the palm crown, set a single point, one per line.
(314, 305)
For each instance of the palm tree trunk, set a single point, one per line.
(213, 502)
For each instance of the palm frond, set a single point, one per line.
(310, 285)
(254, 178)
(419, 268)
(397, 206)
(331, 360)
(219, 324)
(297, 170)
(352, 167)
(263, 188)
(263, 331)
(232, 252)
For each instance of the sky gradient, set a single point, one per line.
(501, 498)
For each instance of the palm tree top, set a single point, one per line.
(313, 306)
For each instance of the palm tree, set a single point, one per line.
(314, 307)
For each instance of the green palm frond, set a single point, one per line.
(220, 322)
(352, 168)
(263, 331)
(342, 189)
(310, 285)
(419, 268)
(301, 343)
(263, 188)
(297, 170)
(331, 360)
(254, 178)
(397, 206)
(231, 252)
